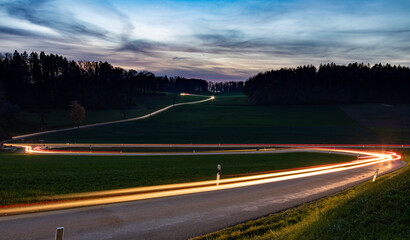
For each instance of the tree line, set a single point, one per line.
(219, 87)
(331, 84)
(49, 81)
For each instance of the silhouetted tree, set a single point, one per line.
(218, 87)
(77, 112)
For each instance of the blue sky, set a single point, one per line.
(213, 40)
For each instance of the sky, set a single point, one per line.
(212, 40)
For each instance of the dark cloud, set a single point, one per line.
(39, 13)
(235, 44)
(142, 46)
(232, 41)
(19, 32)
(181, 58)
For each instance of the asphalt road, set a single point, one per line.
(41, 150)
(184, 216)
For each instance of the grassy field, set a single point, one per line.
(389, 121)
(377, 210)
(25, 178)
(29, 121)
(231, 119)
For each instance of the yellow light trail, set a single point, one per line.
(133, 194)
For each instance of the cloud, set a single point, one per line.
(43, 13)
(19, 32)
(215, 40)
(180, 58)
(142, 46)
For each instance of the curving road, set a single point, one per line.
(180, 212)
(54, 148)
(118, 121)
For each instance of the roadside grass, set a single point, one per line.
(230, 119)
(370, 210)
(28, 121)
(25, 178)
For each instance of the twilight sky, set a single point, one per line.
(213, 40)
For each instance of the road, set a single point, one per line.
(181, 211)
(181, 216)
(209, 98)
(54, 148)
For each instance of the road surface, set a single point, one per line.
(187, 215)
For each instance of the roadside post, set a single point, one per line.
(218, 174)
(59, 233)
(375, 175)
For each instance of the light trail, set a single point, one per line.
(365, 158)
(53, 148)
(209, 98)
(132, 194)
(261, 146)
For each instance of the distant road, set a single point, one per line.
(118, 121)
(180, 213)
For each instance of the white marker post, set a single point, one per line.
(375, 175)
(218, 174)
(59, 233)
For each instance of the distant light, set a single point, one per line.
(213, 97)
(184, 94)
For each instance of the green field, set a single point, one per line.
(377, 210)
(232, 119)
(29, 121)
(25, 178)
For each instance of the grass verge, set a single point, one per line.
(377, 210)
(25, 178)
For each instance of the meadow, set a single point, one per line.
(29, 120)
(26, 178)
(232, 119)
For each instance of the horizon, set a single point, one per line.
(210, 40)
(216, 81)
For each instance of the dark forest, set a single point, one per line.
(331, 84)
(51, 81)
